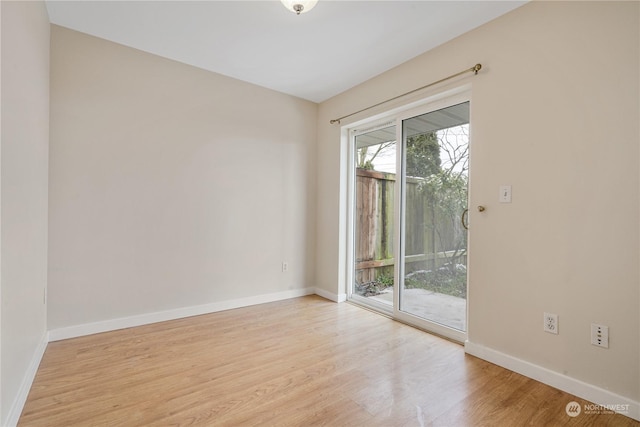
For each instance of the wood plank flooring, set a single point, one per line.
(299, 362)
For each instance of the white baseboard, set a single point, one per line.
(562, 382)
(331, 296)
(179, 313)
(21, 398)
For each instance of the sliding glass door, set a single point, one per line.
(409, 222)
(435, 179)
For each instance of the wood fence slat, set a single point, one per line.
(425, 249)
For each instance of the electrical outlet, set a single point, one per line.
(600, 335)
(285, 267)
(551, 323)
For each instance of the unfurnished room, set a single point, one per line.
(319, 212)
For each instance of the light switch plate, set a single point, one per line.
(505, 194)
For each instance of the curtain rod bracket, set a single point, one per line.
(473, 69)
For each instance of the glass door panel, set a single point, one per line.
(374, 166)
(434, 239)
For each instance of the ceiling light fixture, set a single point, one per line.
(299, 6)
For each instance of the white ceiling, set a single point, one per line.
(314, 56)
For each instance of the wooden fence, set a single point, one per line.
(430, 239)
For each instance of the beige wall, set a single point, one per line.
(24, 153)
(171, 186)
(554, 114)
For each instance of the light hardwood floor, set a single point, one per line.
(299, 362)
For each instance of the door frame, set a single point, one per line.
(396, 115)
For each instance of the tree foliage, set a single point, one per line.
(441, 163)
(423, 155)
(367, 154)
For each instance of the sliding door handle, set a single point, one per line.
(463, 219)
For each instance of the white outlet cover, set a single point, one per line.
(600, 335)
(550, 323)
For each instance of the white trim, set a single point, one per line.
(27, 381)
(345, 253)
(348, 185)
(178, 313)
(431, 326)
(330, 295)
(562, 382)
(372, 304)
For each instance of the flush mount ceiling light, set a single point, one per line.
(299, 6)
